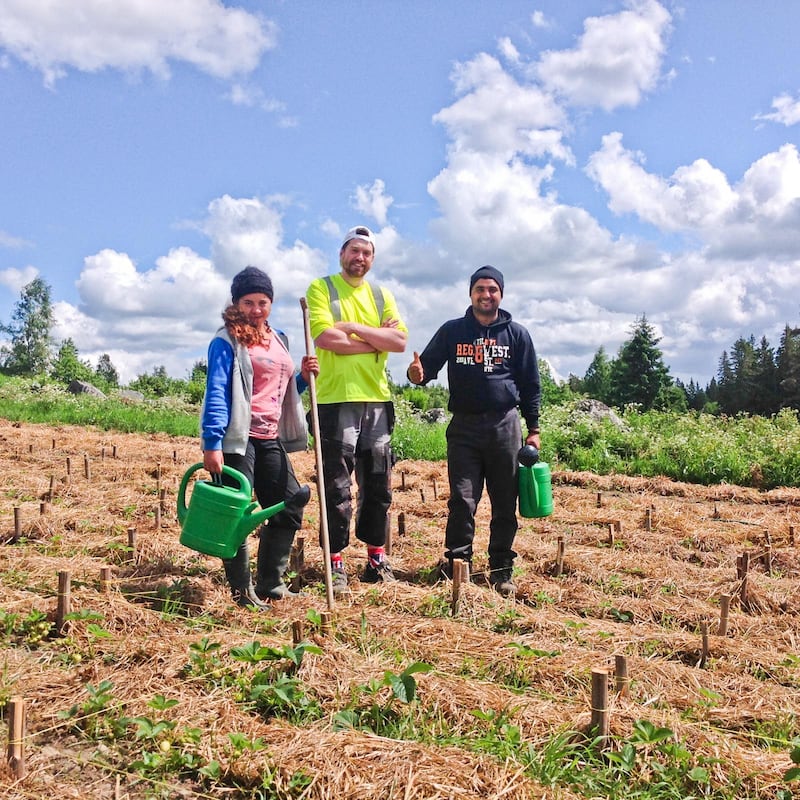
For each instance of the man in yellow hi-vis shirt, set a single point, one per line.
(354, 326)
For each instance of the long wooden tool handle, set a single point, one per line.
(323, 513)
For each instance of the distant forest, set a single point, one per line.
(752, 378)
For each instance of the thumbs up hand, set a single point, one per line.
(415, 372)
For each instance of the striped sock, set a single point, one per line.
(375, 555)
(337, 562)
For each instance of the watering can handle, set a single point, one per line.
(182, 510)
(216, 479)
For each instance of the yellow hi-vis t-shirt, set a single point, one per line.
(359, 377)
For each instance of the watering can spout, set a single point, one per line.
(251, 519)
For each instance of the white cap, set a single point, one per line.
(359, 232)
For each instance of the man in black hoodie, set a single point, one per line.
(491, 371)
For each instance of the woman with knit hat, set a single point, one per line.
(251, 418)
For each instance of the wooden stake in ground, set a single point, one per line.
(704, 643)
(323, 514)
(460, 578)
(743, 568)
(64, 600)
(16, 736)
(724, 608)
(560, 550)
(599, 722)
(132, 543)
(297, 632)
(325, 623)
(621, 674)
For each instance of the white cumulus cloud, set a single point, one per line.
(786, 110)
(53, 36)
(616, 60)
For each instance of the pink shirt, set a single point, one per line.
(273, 368)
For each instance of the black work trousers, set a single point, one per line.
(482, 449)
(356, 438)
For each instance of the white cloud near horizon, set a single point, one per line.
(54, 36)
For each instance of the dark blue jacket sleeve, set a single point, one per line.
(526, 377)
(435, 355)
(217, 405)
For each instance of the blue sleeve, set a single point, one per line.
(217, 404)
(300, 382)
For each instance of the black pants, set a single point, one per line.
(355, 437)
(482, 448)
(266, 465)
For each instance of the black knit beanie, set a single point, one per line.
(251, 280)
(487, 272)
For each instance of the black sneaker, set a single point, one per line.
(338, 580)
(501, 582)
(380, 573)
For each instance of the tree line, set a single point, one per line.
(30, 351)
(752, 378)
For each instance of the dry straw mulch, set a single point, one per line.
(645, 563)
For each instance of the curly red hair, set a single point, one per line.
(239, 328)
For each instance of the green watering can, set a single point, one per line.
(535, 485)
(219, 518)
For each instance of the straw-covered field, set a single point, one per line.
(154, 686)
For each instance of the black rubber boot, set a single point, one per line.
(273, 558)
(237, 571)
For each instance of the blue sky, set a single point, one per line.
(611, 158)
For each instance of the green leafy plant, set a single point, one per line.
(98, 717)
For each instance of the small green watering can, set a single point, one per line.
(535, 486)
(219, 518)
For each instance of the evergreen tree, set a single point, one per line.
(28, 352)
(106, 371)
(638, 374)
(726, 387)
(696, 398)
(596, 382)
(765, 398)
(787, 370)
(68, 367)
(740, 390)
(712, 393)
